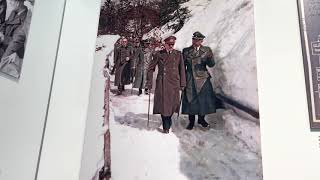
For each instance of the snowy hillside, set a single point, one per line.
(229, 27)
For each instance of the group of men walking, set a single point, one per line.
(184, 72)
(131, 62)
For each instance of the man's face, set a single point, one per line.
(124, 42)
(197, 42)
(169, 45)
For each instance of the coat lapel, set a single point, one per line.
(202, 51)
(16, 18)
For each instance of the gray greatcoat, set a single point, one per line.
(123, 67)
(170, 79)
(142, 65)
(198, 97)
(138, 64)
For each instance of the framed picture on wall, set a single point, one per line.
(15, 19)
(309, 18)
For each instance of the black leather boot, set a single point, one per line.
(203, 122)
(140, 92)
(165, 124)
(146, 91)
(191, 122)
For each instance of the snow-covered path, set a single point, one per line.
(141, 153)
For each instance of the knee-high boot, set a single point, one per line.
(191, 122)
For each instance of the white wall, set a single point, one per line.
(289, 149)
(23, 104)
(64, 138)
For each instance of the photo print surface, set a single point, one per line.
(309, 15)
(180, 91)
(15, 18)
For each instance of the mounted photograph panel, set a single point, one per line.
(309, 15)
(15, 19)
(24, 103)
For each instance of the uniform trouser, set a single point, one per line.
(166, 122)
(192, 118)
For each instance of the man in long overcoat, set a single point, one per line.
(143, 60)
(169, 82)
(12, 24)
(117, 45)
(123, 66)
(138, 66)
(198, 97)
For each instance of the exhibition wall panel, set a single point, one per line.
(289, 149)
(24, 102)
(64, 136)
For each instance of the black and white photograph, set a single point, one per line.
(15, 19)
(309, 16)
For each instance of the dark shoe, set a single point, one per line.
(190, 126)
(119, 92)
(166, 131)
(191, 122)
(140, 92)
(146, 91)
(203, 122)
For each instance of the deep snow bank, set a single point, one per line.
(92, 157)
(229, 28)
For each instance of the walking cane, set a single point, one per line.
(180, 104)
(149, 110)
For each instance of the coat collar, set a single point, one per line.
(164, 51)
(193, 51)
(17, 17)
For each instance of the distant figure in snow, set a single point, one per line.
(124, 63)
(138, 66)
(3, 10)
(170, 80)
(198, 97)
(142, 65)
(117, 45)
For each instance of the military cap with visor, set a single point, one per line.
(170, 40)
(198, 36)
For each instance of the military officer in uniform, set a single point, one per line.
(123, 66)
(169, 82)
(198, 97)
(117, 45)
(143, 59)
(138, 60)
